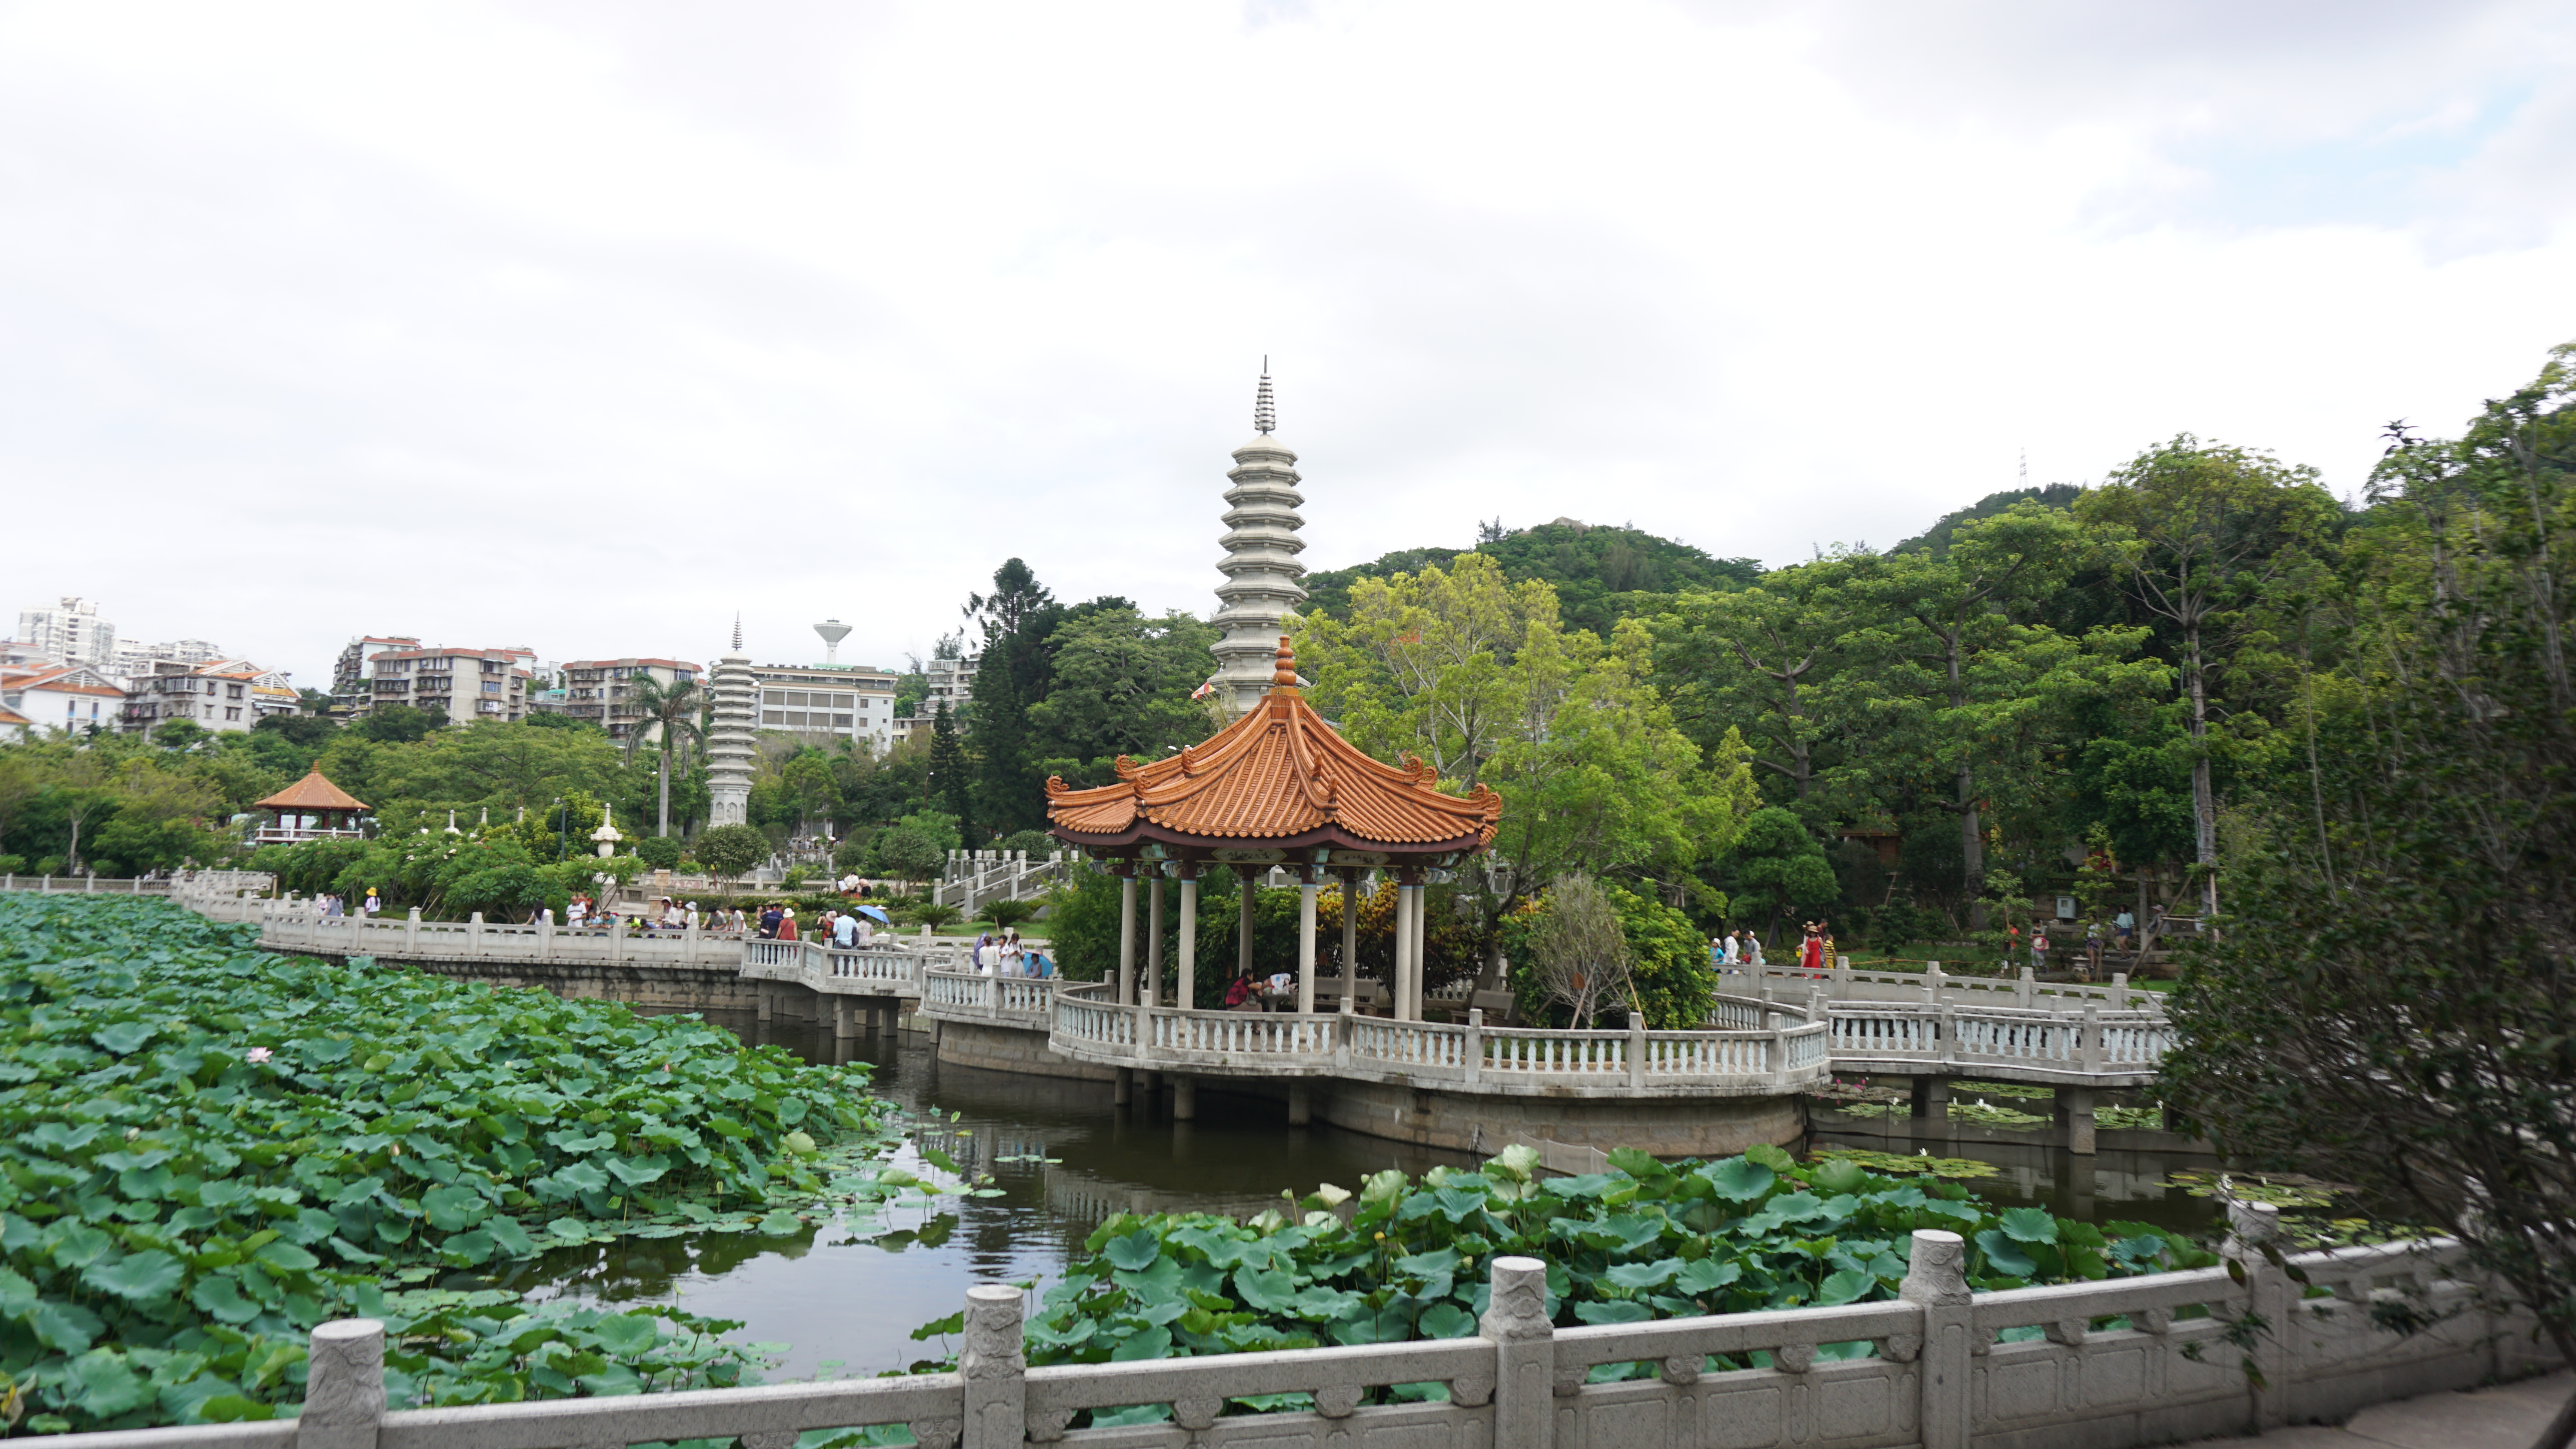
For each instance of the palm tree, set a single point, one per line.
(676, 707)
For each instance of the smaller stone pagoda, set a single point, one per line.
(1278, 787)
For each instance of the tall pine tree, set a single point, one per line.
(952, 774)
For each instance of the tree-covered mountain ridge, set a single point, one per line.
(1604, 572)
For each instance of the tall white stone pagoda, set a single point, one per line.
(729, 739)
(1260, 567)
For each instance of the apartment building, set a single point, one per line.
(464, 684)
(828, 702)
(72, 698)
(70, 633)
(135, 661)
(226, 696)
(952, 680)
(349, 674)
(603, 692)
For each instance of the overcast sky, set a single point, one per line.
(584, 325)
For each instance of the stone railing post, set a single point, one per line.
(411, 931)
(1517, 1325)
(993, 1369)
(1815, 1003)
(1936, 1282)
(2253, 1238)
(1947, 1026)
(616, 941)
(2092, 1044)
(546, 933)
(1842, 975)
(344, 1386)
(689, 940)
(1932, 982)
(474, 935)
(2119, 991)
(2026, 990)
(1636, 1049)
(1474, 1046)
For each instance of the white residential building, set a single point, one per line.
(135, 661)
(71, 698)
(464, 684)
(952, 680)
(843, 701)
(602, 691)
(71, 633)
(226, 696)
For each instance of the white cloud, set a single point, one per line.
(581, 326)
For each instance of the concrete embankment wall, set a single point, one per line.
(1008, 1049)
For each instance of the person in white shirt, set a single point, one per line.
(691, 919)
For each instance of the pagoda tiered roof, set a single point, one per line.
(1278, 778)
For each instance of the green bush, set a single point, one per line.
(662, 852)
(730, 851)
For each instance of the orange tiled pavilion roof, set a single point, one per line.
(1280, 778)
(310, 794)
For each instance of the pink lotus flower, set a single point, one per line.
(257, 1054)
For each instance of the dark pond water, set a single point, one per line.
(1064, 1157)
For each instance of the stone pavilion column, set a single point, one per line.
(1421, 941)
(1154, 938)
(1127, 933)
(1188, 966)
(1350, 941)
(1405, 965)
(1243, 923)
(1306, 940)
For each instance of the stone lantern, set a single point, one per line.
(606, 835)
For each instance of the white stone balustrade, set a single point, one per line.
(2129, 1361)
(1468, 1057)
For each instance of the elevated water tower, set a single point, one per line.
(833, 632)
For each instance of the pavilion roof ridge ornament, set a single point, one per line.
(1265, 410)
(1279, 776)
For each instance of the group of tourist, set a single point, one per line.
(334, 904)
(1730, 954)
(1008, 955)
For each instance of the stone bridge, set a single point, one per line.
(1463, 1084)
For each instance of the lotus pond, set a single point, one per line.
(207, 1149)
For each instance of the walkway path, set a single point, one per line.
(2509, 1416)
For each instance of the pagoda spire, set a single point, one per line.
(1265, 411)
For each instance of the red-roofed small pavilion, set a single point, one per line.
(1278, 787)
(319, 809)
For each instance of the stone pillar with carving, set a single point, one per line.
(1524, 1340)
(1936, 1280)
(344, 1386)
(994, 1369)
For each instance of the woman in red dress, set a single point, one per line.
(1811, 956)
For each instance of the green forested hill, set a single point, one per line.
(1601, 573)
(1936, 539)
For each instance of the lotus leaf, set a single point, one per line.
(2029, 1225)
(144, 1277)
(2005, 1255)
(1739, 1179)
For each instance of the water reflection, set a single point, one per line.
(1065, 1157)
